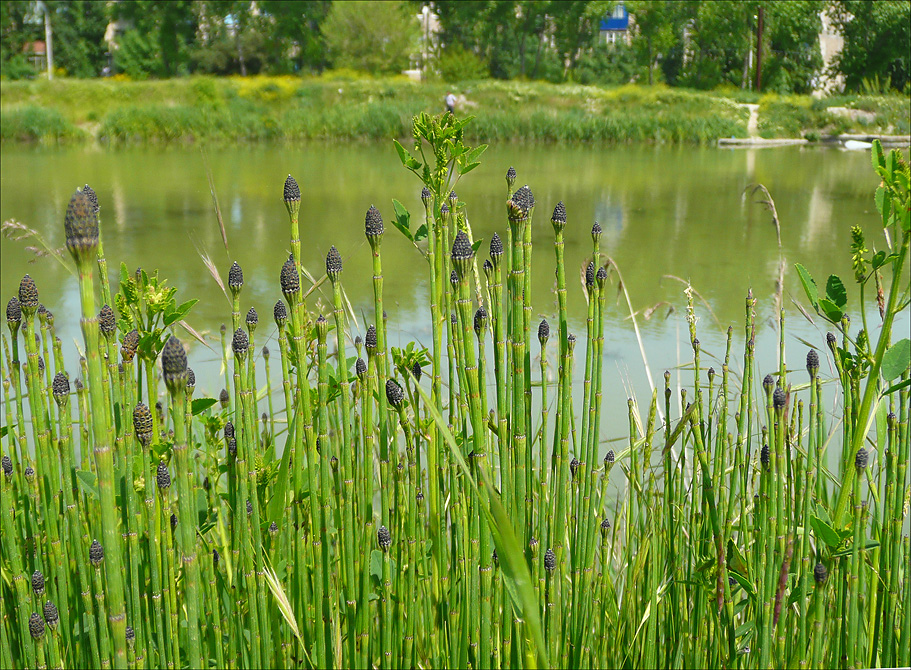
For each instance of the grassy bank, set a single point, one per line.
(345, 108)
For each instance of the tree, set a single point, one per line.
(376, 37)
(655, 30)
(792, 58)
(295, 42)
(576, 26)
(167, 28)
(79, 27)
(877, 41)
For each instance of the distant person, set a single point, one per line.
(450, 102)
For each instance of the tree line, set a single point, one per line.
(696, 43)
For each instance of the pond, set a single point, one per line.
(669, 215)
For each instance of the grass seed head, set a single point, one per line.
(533, 546)
(360, 367)
(373, 224)
(36, 626)
(131, 636)
(80, 226)
(191, 380)
(571, 342)
(454, 279)
(129, 345)
(768, 383)
(462, 253)
(426, 196)
(480, 321)
(289, 280)
(60, 388)
(92, 196)
(37, 582)
(240, 343)
(778, 398)
(322, 328)
(416, 371)
(333, 264)
(574, 467)
(383, 538)
(291, 194)
(229, 430)
(558, 219)
(596, 232)
(107, 322)
(232, 447)
(830, 340)
(28, 295)
(860, 460)
(273, 528)
(51, 615)
(820, 573)
(370, 340)
(29, 472)
(13, 314)
(812, 362)
(488, 269)
(590, 276)
(511, 176)
(605, 527)
(224, 398)
(394, 393)
(609, 458)
(252, 319)
(163, 477)
(550, 560)
(235, 279)
(7, 465)
(142, 423)
(496, 250)
(173, 521)
(174, 365)
(764, 456)
(543, 332)
(96, 553)
(280, 314)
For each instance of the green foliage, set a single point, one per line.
(459, 64)
(607, 65)
(137, 56)
(37, 124)
(79, 27)
(376, 37)
(877, 42)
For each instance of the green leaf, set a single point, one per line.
(879, 259)
(897, 387)
(476, 245)
(835, 291)
(420, 233)
(809, 285)
(402, 219)
(200, 405)
(825, 532)
(89, 482)
(897, 359)
(849, 550)
(832, 313)
(3, 431)
(876, 155)
(468, 168)
(407, 160)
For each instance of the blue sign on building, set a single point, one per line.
(617, 20)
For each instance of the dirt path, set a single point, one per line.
(753, 123)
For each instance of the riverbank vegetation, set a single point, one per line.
(348, 106)
(448, 505)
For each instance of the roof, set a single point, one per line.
(36, 47)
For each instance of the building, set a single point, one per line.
(615, 27)
(36, 53)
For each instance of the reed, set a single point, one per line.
(731, 545)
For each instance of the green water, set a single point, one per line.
(665, 212)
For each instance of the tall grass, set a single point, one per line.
(420, 514)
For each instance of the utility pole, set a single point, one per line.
(759, 50)
(48, 39)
